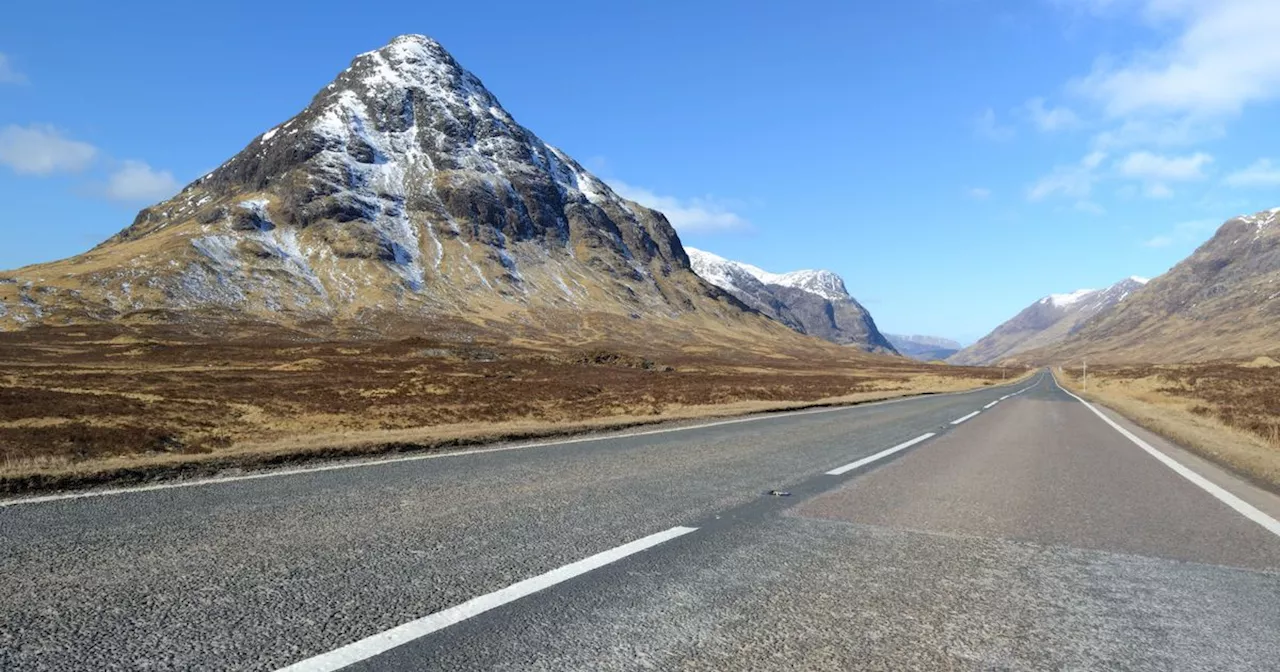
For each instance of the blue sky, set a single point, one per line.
(953, 159)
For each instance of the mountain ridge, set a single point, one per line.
(1047, 321)
(814, 302)
(1222, 301)
(924, 348)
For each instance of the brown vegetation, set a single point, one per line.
(1226, 411)
(86, 404)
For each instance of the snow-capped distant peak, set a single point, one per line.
(1064, 300)
(720, 272)
(826, 284)
(1139, 279)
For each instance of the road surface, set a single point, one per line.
(1010, 528)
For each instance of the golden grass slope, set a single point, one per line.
(1227, 412)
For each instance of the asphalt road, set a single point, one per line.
(1030, 536)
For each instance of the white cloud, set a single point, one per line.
(989, 127)
(1159, 132)
(8, 75)
(693, 215)
(41, 149)
(980, 193)
(1158, 241)
(1050, 119)
(1074, 180)
(137, 181)
(1261, 173)
(1223, 55)
(1157, 190)
(1159, 168)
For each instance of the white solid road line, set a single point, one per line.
(991, 404)
(880, 455)
(374, 462)
(1244, 508)
(403, 634)
(960, 420)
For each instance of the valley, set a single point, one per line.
(108, 404)
(399, 385)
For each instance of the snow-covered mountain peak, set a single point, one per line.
(1064, 300)
(826, 284)
(811, 302)
(1139, 279)
(726, 274)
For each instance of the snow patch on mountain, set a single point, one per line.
(726, 275)
(1064, 300)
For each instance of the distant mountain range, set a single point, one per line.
(924, 348)
(1047, 322)
(810, 302)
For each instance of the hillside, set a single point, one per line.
(1047, 322)
(810, 302)
(1223, 301)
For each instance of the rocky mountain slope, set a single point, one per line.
(403, 192)
(810, 302)
(1222, 301)
(924, 348)
(1047, 322)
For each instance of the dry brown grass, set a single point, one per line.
(1228, 412)
(92, 404)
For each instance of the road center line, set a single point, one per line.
(357, 463)
(1242, 507)
(960, 420)
(403, 634)
(880, 455)
(991, 404)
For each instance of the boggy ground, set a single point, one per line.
(86, 405)
(1227, 411)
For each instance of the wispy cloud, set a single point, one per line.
(979, 193)
(137, 181)
(9, 74)
(1157, 167)
(1050, 119)
(1156, 171)
(705, 214)
(1261, 173)
(1073, 180)
(987, 126)
(40, 149)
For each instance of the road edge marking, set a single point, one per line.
(359, 463)
(386, 640)
(840, 471)
(965, 418)
(1242, 507)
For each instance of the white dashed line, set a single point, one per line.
(377, 462)
(403, 634)
(880, 455)
(991, 404)
(960, 420)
